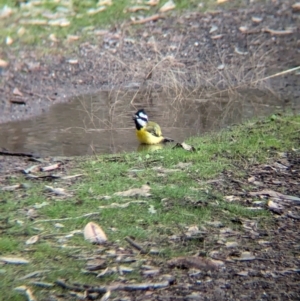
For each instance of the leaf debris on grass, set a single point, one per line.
(193, 224)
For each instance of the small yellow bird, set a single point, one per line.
(148, 132)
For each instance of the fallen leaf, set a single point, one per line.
(193, 262)
(73, 61)
(14, 260)
(275, 194)
(217, 36)
(134, 9)
(251, 179)
(238, 51)
(57, 191)
(71, 38)
(213, 29)
(293, 215)
(153, 272)
(30, 169)
(243, 273)
(106, 296)
(21, 31)
(296, 6)
(216, 224)
(40, 205)
(221, 1)
(167, 6)
(32, 213)
(152, 2)
(152, 210)
(104, 2)
(256, 19)
(245, 256)
(94, 234)
(5, 12)
(96, 264)
(231, 244)
(143, 191)
(11, 188)
(275, 207)
(192, 231)
(183, 165)
(59, 22)
(93, 11)
(231, 198)
(34, 22)
(34, 274)
(25, 290)
(164, 170)
(53, 38)
(185, 146)
(3, 63)
(243, 29)
(17, 92)
(51, 167)
(32, 240)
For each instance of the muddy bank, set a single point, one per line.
(220, 49)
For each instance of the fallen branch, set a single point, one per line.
(8, 153)
(135, 245)
(66, 219)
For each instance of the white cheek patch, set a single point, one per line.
(142, 115)
(141, 122)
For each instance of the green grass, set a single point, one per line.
(180, 199)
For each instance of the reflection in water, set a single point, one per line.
(102, 123)
(150, 147)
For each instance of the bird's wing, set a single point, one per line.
(154, 129)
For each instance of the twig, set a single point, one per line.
(118, 287)
(135, 245)
(67, 218)
(261, 79)
(147, 19)
(278, 32)
(277, 74)
(78, 288)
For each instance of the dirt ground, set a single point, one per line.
(220, 49)
(198, 43)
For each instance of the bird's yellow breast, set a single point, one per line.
(147, 138)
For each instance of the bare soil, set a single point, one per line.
(221, 49)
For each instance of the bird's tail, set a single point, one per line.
(166, 139)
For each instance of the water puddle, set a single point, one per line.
(102, 123)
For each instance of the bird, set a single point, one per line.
(148, 132)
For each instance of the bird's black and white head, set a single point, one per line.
(140, 118)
